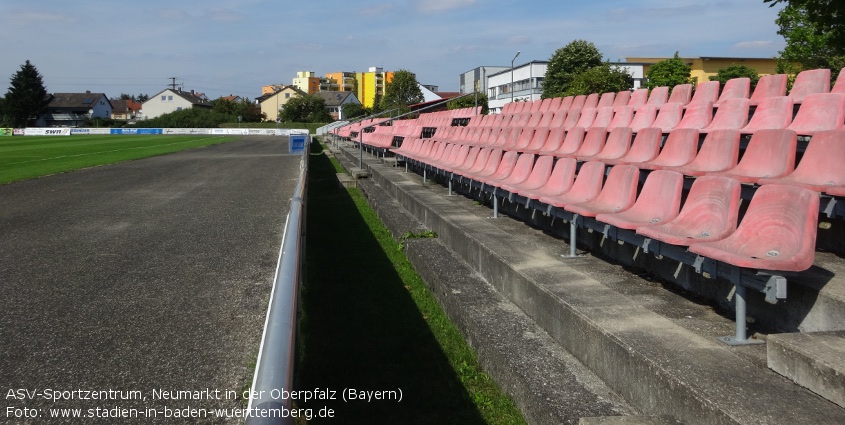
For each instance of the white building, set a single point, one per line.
(170, 100)
(476, 78)
(522, 83)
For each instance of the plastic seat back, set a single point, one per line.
(523, 140)
(566, 103)
(819, 112)
(604, 115)
(592, 101)
(658, 96)
(572, 142)
(772, 113)
(622, 98)
(553, 141)
(538, 140)
(502, 170)
(622, 117)
(735, 88)
(606, 99)
(644, 117)
(554, 104)
(710, 213)
(769, 86)
(769, 154)
(578, 101)
(618, 193)
(706, 91)
(679, 149)
(732, 115)
(821, 166)
(718, 152)
(517, 174)
(658, 202)
(540, 172)
(668, 117)
(646, 147)
(560, 180)
(809, 82)
(839, 85)
(778, 232)
(697, 115)
(587, 185)
(588, 115)
(572, 118)
(545, 104)
(594, 141)
(618, 143)
(468, 162)
(638, 98)
(487, 160)
(681, 94)
(558, 119)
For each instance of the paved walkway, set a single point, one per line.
(142, 276)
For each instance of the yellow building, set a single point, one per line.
(276, 99)
(701, 69)
(340, 81)
(365, 85)
(307, 81)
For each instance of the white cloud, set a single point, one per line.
(753, 45)
(430, 6)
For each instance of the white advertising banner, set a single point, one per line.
(29, 131)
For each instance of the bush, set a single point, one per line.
(736, 71)
(600, 79)
(668, 73)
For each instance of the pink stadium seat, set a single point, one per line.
(538, 140)
(622, 117)
(734, 88)
(839, 86)
(718, 152)
(706, 91)
(618, 193)
(698, 115)
(540, 173)
(644, 117)
(572, 118)
(778, 232)
(553, 141)
(646, 147)
(592, 101)
(593, 143)
(487, 162)
(733, 114)
(516, 175)
(618, 143)
(668, 117)
(710, 213)
(835, 190)
(606, 99)
(680, 94)
(622, 98)
(535, 105)
(503, 169)
(658, 96)
(658, 202)
(578, 101)
(638, 98)
(588, 115)
(587, 186)
(604, 115)
(535, 119)
(819, 112)
(772, 113)
(679, 149)
(769, 86)
(470, 159)
(566, 103)
(522, 141)
(560, 181)
(545, 104)
(821, 166)
(554, 104)
(571, 143)
(809, 82)
(769, 154)
(558, 119)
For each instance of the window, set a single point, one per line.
(170, 98)
(287, 95)
(164, 98)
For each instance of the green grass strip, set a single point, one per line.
(33, 156)
(370, 323)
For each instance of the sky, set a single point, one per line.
(221, 47)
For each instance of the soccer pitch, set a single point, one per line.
(28, 157)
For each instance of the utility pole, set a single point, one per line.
(172, 83)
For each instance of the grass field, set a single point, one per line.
(34, 156)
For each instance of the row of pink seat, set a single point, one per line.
(769, 157)
(432, 119)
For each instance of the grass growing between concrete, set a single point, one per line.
(370, 323)
(35, 156)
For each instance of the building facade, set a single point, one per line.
(522, 83)
(272, 103)
(702, 68)
(170, 100)
(73, 109)
(307, 81)
(476, 78)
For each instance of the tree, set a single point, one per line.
(352, 110)
(305, 108)
(567, 62)
(27, 96)
(600, 79)
(825, 19)
(469, 102)
(669, 72)
(736, 71)
(808, 45)
(402, 91)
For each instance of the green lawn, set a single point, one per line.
(28, 157)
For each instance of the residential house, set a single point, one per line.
(170, 100)
(232, 98)
(272, 103)
(73, 109)
(335, 101)
(125, 110)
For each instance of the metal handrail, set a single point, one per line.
(274, 371)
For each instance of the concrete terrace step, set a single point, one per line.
(812, 360)
(650, 344)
